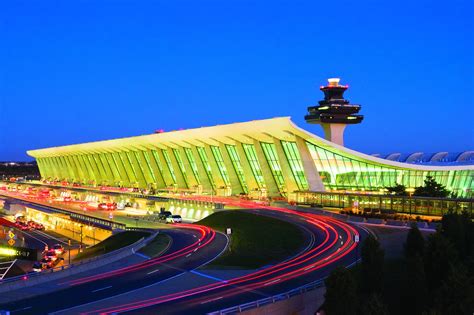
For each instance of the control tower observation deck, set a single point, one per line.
(334, 113)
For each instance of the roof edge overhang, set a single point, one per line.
(264, 130)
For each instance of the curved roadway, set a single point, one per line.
(329, 243)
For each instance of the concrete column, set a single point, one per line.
(248, 174)
(203, 177)
(216, 174)
(290, 181)
(233, 177)
(156, 169)
(270, 183)
(334, 132)
(128, 167)
(166, 170)
(181, 177)
(121, 169)
(192, 181)
(147, 171)
(312, 175)
(142, 182)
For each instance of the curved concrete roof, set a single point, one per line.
(261, 130)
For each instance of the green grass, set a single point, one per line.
(156, 246)
(256, 240)
(111, 243)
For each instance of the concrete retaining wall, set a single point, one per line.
(76, 268)
(304, 304)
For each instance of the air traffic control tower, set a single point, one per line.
(334, 113)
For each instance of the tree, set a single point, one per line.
(456, 294)
(415, 292)
(431, 189)
(398, 190)
(439, 255)
(372, 266)
(459, 229)
(415, 243)
(341, 293)
(374, 306)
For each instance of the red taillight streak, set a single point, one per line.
(339, 254)
(179, 253)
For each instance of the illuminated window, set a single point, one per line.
(148, 164)
(207, 166)
(168, 163)
(181, 165)
(237, 166)
(220, 164)
(294, 159)
(192, 163)
(251, 155)
(271, 156)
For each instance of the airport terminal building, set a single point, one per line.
(271, 157)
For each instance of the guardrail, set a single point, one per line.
(270, 300)
(275, 298)
(106, 258)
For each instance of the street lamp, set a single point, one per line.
(80, 246)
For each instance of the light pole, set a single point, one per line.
(80, 246)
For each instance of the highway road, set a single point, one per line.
(333, 244)
(192, 247)
(329, 243)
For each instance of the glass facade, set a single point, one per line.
(170, 166)
(347, 172)
(251, 156)
(216, 152)
(294, 159)
(203, 156)
(192, 163)
(181, 165)
(272, 159)
(234, 156)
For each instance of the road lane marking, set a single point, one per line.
(207, 276)
(153, 271)
(188, 255)
(142, 255)
(104, 288)
(211, 300)
(22, 309)
(115, 296)
(272, 282)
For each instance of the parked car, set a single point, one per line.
(163, 215)
(175, 218)
(46, 263)
(37, 266)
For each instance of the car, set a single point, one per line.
(47, 263)
(50, 254)
(23, 227)
(39, 226)
(58, 249)
(37, 266)
(107, 206)
(163, 215)
(175, 218)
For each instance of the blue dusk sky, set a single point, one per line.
(78, 71)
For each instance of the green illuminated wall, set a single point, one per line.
(275, 167)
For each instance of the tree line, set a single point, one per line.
(437, 278)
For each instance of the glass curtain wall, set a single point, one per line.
(234, 156)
